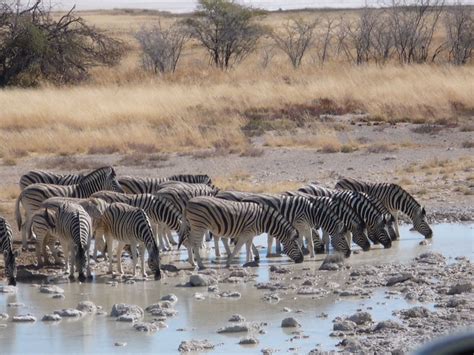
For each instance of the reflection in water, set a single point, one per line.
(201, 319)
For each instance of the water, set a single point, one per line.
(183, 6)
(201, 319)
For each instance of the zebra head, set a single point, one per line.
(390, 223)
(359, 236)
(10, 266)
(421, 225)
(379, 233)
(292, 248)
(111, 182)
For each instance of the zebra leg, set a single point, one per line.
(309, 240)
(120, 247)
(326, 241)
(67, 257)
(255, 252)
(195, 250)
(248, 249)
(278, 247)
(397, 232)
(141, 250)
(110, 251)
(134, 251)
(225, 242)
(269, 243)
(159, 234)
(170, 238)
(238, 246)
(349, 238)
(216, 245)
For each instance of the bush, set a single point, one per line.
(35, 45)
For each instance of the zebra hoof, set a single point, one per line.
(82, 277)
(157, 276)
(72, 277)
(366, 248)
(12, 282)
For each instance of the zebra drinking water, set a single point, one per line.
(239, 220)
(395, 199)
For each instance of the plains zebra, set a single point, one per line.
(71, 225)
(129, 225)
(238, 196)
(239, 220)
(46, 177)
(374, 219)
(6, 246)
(139, 185)
(296, 209)
(158, 209)
(32, 197)
(395, 199)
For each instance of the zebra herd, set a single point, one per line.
(143, 212)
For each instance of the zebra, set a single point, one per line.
(6, 246)
(296, 209)
(395, 199)
(129, 225)
(94, 208)
(315, 190)
(32, 196)
(159, 210)
(374, 219)
(46, 177)
(72, 226)
(139, 185)
(239, 220)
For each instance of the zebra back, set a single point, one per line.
(316, 190)
(233, 195)
(180, 195)
(6, 247)
(46, 177)
(192, 179)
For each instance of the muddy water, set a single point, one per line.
(201, 318)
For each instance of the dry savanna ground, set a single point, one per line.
(413, 123)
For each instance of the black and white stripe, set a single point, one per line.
(32, 196)
(70, 224)
(395, 199)
(129, 225)
(6, 247)
(140, 185)
(47, 177)
(239, 220)
(374, 219)
(161, 211)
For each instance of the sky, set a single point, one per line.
(180, 6)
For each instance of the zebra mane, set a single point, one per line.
(407, 195)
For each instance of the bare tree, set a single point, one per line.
(360, 33)
(268, 52)
(459, 22)
(413, 24)
(161, 48)
(226, 30)
(295, 39)
(34, 45)
(325, 38)
(382, 40)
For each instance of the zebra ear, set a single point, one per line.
(423, 211)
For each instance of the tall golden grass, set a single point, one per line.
(197, 107)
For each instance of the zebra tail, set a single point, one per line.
(17, 211)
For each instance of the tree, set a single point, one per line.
(33, 45)
(295, 39)
(161, 48)
(459, 22)
(413, 24)
(225, 29)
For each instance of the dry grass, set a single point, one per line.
(199, 108)
(9, 192)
